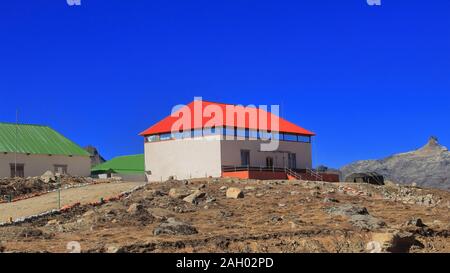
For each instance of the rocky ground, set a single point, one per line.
(19, 187)
(229, 215)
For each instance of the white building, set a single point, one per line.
(231, 147)
(31, 150)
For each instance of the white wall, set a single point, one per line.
(202, 157)
(36, 165)
(231, 153)
(183, 158)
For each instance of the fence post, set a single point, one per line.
(59, 191)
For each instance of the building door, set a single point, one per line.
(17, 170)
(61, 169)
(292, 161)
(269, 162)
(245, 158)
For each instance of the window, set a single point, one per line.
(269, 162)
(241, 133)
(165, 136)
(290, 137)
(211, 131)
(265, 135)
(306, 139)
(153, 138)
(197, 132)
(17, 170)
(253, 134)
(245, 158)
(61, 169)
(230, 133)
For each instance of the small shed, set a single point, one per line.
(370, 178)
(128, 168)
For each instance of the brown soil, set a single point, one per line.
(273, 216)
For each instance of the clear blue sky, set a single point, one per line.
(370, 81)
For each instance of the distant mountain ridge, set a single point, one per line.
(428, 166)
(96, 158)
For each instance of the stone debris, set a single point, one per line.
(330, 200)
(174, 227)
(246, 226)
(179, 193)
(194, 197)
(19, 188)
(48, 177)
(394, 242)
(358, 216)
(235, 193)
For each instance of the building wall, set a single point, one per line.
(131, 177)
(231, 153)
(36, 165)
(183, 158)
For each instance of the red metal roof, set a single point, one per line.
(165, 125)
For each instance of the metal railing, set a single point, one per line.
(304, 174)
(314, 174)
(293, 174)
(251, 168)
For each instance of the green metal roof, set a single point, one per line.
(122, 164)
(36, 139)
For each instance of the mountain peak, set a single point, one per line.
(432, 146)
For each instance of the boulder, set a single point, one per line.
(366, 222)
(179, 193)
(194, 197)
(112, 249)
(395, 242)
(234, 193)
(358, 216)
(135, 208)
(348, 210)
(415, 222)
(48, 177)
(174, 227)
(330, 200)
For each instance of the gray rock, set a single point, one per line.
(330, 200)
(194, 197)
(395, 242)
(366, 222)
(48, 177)
(179, 193)
(174, 227)
(347, 210)
(415, 222)
(235, 193)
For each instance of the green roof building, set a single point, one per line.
(31, 150)
(129, 168)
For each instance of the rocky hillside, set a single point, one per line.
(96, 158)
(428, 166)
(231, 215)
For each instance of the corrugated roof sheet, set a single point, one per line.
(123, 164)
(36, 139)
(165, 125)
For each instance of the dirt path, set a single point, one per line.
(50, 201)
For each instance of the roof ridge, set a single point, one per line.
(224, 103)
(24, 124)
(127, 156)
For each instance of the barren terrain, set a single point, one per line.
(49, 201)
(267, 216)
